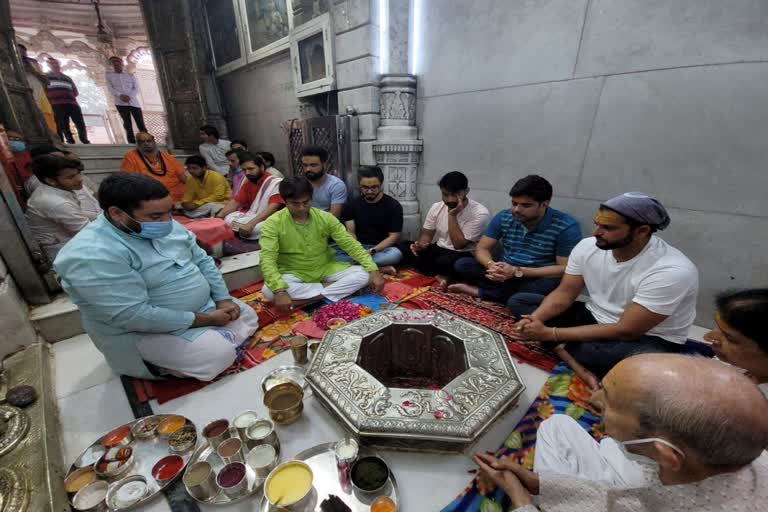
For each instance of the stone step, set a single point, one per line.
(60, 319)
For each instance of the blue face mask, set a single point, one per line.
(17, 146)
(153, 230)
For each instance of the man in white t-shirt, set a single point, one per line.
(214, 149)
(455, 224)
(642, 290)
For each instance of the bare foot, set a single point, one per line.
(468, 289)
(389, 270)
(442, 282)
(589, 378)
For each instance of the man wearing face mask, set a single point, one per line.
(642, 291)
(257, 199)
(151, 299)
(455, 224)
(671, 446)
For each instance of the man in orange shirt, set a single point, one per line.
(160, 165)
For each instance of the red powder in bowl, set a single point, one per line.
(115, 436)
(167, 467)
(216, 428)
(231, 475)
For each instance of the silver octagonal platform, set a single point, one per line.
(415, 379)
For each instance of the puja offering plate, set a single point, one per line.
(215, 493)
(326, 481)
(135, 461)
(415, 379)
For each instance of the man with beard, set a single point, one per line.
(257, 199)
(536, 241)
(375, 219)
(207, 190)
(329, 192)
(456, 224)
(642, 291)
(147, 159)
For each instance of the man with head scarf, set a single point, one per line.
(642, 291)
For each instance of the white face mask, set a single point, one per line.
(647, 462)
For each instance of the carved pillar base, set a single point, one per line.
(398, 148)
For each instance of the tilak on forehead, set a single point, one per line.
(609, 218)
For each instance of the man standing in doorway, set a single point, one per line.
(214, 149)
(329, 192)
(62, 94)
(125, 89)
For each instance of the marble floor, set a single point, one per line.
(91, 400)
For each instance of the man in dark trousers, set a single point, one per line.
(62, 94)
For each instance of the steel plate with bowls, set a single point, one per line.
(322, 460)
(134, 486)
(206, 453)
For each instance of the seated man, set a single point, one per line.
(329, 192)
(686, 433)
(147, 159)
(60, 207)
(536, 242)
(214, 149)
(257, 199)
(270, 159)
(375, 220)
(236, 174)
(151, 300)
(207, 191)
(296, 260)
(456, 223)
(642, 291)
(740, 336)
(238, 145)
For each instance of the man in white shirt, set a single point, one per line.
(455, 224)
(214, 149)
(125, 90)
(684, 433)
(60, 206)
(642, 291)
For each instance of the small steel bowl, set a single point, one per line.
(367, 459)
(182, 447)
(301, 503)
(164, 427)
(242, 421)
(216, 440)
(231, 450)
(127, 492)
(145, 428)
(263, 470)
(285, 402)
(82, 504)
(283, 374)
(200, 481)
(236, 490)
(165, 460)
(114, 471)
(125, 440)
(76, 474)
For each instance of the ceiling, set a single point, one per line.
(123, 18)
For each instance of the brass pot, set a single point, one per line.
(285, 402)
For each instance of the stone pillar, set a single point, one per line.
(397, 147)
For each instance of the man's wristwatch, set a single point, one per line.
(373, 250)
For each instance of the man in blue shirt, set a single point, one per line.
(150, 299)
(535, 240)
(329, 192)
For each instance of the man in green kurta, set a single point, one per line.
(298, 264)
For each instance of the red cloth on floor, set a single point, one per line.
(208, 231)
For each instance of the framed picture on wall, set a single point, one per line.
(312, 57)
(267, 25)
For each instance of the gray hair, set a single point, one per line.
(721, 428)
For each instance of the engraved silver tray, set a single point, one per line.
(473, 379)
(325, 481)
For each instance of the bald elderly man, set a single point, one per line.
(686, 433)
(642, 291)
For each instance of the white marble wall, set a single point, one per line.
(606, 96)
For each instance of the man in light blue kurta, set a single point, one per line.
(146, 291)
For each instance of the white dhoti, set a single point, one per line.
(236, 219)
(563, 446)
(342, 284)
(205, 210)
(207, 355)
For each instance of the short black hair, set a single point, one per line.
(746, 311)
(127, 190)
(317, 151)
(370, 171)
(533, 186)
(42, 149)
(247, 156)
(49, 166)
(268, 157)
(114, 57)
(195, 160)
(210, 130)
(294, 187)
(233, 151)
(238, 141)
(454, 182)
